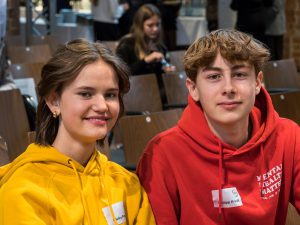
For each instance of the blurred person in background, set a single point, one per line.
(143, 49)
(276, 30)
(106, 15)
(169, 12)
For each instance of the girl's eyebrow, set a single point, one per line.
(87, 88)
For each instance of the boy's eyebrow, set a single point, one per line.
(207, 68)
(236, 66)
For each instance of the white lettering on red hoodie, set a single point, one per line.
(184, 168)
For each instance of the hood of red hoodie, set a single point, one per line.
(263, 118)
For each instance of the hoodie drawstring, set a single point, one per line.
(262, 169)
(84, 204)
(106, 192)
(221, 176)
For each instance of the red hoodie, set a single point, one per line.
(184, 168)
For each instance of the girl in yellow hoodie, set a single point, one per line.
(62, 178)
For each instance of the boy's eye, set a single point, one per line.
(214, 76)
(239, 75)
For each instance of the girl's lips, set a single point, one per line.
(98, 120)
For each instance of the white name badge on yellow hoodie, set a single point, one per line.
(230, 198)
(119, 212)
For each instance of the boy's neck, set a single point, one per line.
(236, 135)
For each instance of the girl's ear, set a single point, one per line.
(52, 102)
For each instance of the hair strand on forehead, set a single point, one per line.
(233, 45)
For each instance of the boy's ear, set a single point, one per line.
(191, 86)
(52, 102)
(259, 82)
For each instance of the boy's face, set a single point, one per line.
(226, 91)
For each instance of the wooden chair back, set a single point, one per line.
(20, 40)
(287, 104)
(112, 45)
(28, 54)
(13, 122)
(4, 158)
(281, 74)
(175, 88)
(176, 59)
(137, 130)
(27, 70)
(293, 218)
(144, 95)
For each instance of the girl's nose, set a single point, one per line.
(100, 104)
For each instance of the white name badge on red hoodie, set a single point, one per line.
(119, 212)
(230, 198)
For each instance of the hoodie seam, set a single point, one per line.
(48, 195)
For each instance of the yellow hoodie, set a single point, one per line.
(43, 186)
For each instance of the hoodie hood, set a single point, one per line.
(46, 154)
(263, 118)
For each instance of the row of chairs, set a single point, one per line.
(144, 96)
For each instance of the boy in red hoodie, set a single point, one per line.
(230, 159)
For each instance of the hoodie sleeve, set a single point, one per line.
(145, 215)
(295, 198)
(159, 184)
(23, 202)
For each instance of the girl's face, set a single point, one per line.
(152, 27)
(88, 106)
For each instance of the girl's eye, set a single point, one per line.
(85, 94)
(111, 95)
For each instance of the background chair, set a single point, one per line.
(176, 59)
(137, 130)
(20, 40)
(13, 122)
(281, 75)
(144, 95)
(287, 104)
(27, 70)
(293, 218)
(112, 45)
(28, 54)
(175, 89)
(4, 158)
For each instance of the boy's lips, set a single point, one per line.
(229, 104)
